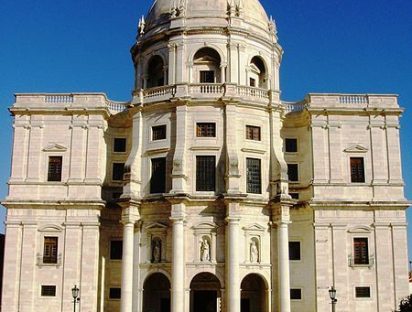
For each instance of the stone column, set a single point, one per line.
(280, 216)
(130, 215)
(137, 296)
(178, 258)
(232, 265)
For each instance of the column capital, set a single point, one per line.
(130, 215)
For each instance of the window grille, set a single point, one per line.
(207, 76)
(50, 249)
(357, 170)
(206, 129)
(253, 133)
(159, 132)
(362, 292)
(360, 250)
(48, 290)
(205, 173)
(55, 168)
(253, 176)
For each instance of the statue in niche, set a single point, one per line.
(156, 250)
(254, 252)
(204, 250)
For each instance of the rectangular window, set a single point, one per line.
(362, 292)
(253, 133)
(50, 249)
(294, 195)
(159, 132)
(295, 294)
(116, 249)
(357, 170)
(206, 129)
(291, 145)
(252, 82)
(294, 251)
(293, 172)
(360, 250)
(253, 176)
(115, 293)
(48, 290)
(119, 145)
(207, 76)
(118, 170)
(205, 173)
(55, 168)
(158, 178)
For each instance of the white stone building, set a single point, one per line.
(206, 192)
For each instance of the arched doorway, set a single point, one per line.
(205, 293)
(253, 294)
(156, 293)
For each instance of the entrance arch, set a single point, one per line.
(156, 293)
(205, 295)
(254, 296)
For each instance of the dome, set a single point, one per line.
(252, 11)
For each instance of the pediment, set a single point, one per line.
(156, 226)
(356, 148)
(50, 228)
(254, 68)
(54, 147)
(205, 226)
(254, 228)
(360, 229)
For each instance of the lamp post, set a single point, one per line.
(75, 294)
(332, 295)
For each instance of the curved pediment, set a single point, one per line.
(50, 228)
(205, 226)
(360, 229)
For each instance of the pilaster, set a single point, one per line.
(179, 175)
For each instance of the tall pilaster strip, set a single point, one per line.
(178, 257)
(232, 265)
(129, 217)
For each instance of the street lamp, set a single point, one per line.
(332, 295)
(75, 294)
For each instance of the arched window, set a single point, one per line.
(207, 66)
(155, 72)
(257, 75)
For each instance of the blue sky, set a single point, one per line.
(83, 45)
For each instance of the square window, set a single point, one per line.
(158, 178)
(360, 251)
(118, 170)
(115, 293)
(291, 145)
(253, 176)
(159, 132)
(205, 173)
(50, 249)
(207, 76)
(295, 294)
(362, 292)
(293, 172)
(357, 170)
(116, 249)
(119, 145)
(294, 251)
(253, 133)
(48, 290)
(55, 168)
(206, 129)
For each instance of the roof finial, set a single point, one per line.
(142, 25)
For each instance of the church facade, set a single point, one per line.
(205, 192)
